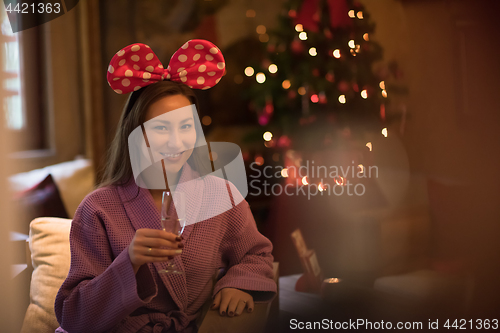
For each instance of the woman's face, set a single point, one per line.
(170, 131)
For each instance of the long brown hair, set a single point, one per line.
(118, 169)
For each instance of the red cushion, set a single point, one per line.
(42, 200)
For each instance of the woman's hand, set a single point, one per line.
(153, 245)
(232, 301)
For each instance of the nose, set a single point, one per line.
(174, 141)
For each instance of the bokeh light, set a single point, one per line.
(260, 77)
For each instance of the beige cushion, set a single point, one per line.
(50, 256)
(75, 187)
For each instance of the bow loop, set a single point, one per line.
(134, 67)
(198, 64)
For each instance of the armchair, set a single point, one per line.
(48, 254)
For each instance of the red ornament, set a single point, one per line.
(315, 72)
(270, 144)
(292, 13)
(339, 16)
(292, 94)
(269, 108)
(369, 90)
(382, 111)
(297, 46)
(284, 141)
(328, 33)
(263, 119)
(246, 155)
(322, 98)
(330, 77)
(309, 12)
(355, 87)
(271, 48)
(343, 86)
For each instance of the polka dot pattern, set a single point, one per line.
(198, 63)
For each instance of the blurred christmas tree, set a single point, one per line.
(315, 82)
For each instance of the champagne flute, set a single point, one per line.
(171, 224)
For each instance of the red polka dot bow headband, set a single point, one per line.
(198, 64)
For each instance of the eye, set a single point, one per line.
(160, 128)
(186, 126)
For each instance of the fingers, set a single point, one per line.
(232, 302)
(216, 303)
(152, 245)
(158, 243)
(157, 255)
(158, 233)
(240, 306)
(156, 252)
(250, 304)
(224, 302)
(157, 238)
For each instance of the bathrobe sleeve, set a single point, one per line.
(100, 290)
(247, 254)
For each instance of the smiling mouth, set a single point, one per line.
(171, 155)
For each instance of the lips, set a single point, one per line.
(172, 157)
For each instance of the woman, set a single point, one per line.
(117, 245)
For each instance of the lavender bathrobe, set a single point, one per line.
(101, 292)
